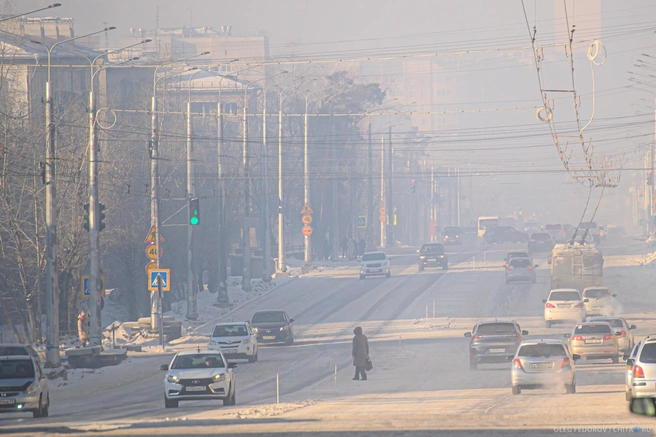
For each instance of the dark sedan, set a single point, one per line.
(432, 254)
(273, 326)
(493, 341)
(540, 242)
(505, 234)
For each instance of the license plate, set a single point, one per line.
(564, 306)
(7, 401)
(543, 366)
(496, 351)
(228, 351)
(195, 388)
(375, 271)
(269, 337)
(593, 342)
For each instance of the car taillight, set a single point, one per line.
(509, 268)
(609, 336)
(622, 333)
(476, 337)
(530, 267)
(566, 363)
(517, 364)
(577, 337)
(562, 229)
(579, 305)
(550, 305)
(638, 372)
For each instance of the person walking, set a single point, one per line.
(83, 329)
(343, 245)
(362, 247)
(360, 354)
(350, 251)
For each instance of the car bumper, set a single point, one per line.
(24, 401)
(573, 314)
(217, 390)
(624, 344)
(374, 271)
(643, 388)
(520, 277)
(596, 351)
(537, 380)
(273, 337)
(433, 261)
(243, 351)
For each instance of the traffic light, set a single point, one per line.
(194, 211)
(413, 186)
(86, 216)
(650, 179)
(101, 216)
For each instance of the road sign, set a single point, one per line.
(307, 210)
(150, 238)
(362, 221)
(166, 279)
(382, 210)
(383, 218)
(151, 251)
(307, 219)
(84, 286)
(307, 230)
(151, 266)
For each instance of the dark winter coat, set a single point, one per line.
(360, 349)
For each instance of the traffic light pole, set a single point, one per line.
(222, 299)
(95, 327)
(192, 303)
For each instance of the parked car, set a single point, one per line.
(520, 269)
(199, 375)
(628, 376)
(234, 340)
(644, 369)
(273, 326)
(432, 254)
(493, 341)
(542, 364)
(505, 234)
(594, 340)
(600, 301)
(625, 336)
(374, 264)
(563, 304)
(540, 242)
(23, 386)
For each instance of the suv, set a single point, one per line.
(557, 232)
(625, 336)
(563, 304)
(543, 363)
(600, 301)
(23, 387)
(520, 269)
(592, 231)
(234, 340)
(594, 340)
(493, 341)
(452, 235)
(432, 254)
(505, 234)
(644, 370)
(540, 242)
(374, 263)
(273, 325)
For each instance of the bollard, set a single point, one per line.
(277, 389)
(335, 380)
(427, 313)
(399, 341)
(433, 308)
(484, 256)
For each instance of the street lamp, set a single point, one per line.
(54, 5)
(53, 358)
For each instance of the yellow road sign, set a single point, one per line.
(151, 266)
(150, 238)
(307, 219)
(151, 251)
(306, 209)
(84, 286)
(307, 230)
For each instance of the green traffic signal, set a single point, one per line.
(194, 211)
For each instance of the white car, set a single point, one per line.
(199, 375)
(628, 377)
(374, 263)
(23, 387)
(624, 336)
(600, 301)
(234, 340)
(643, 384)
(564, 304)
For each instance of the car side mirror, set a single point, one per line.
(614, 295)
(164, 367)
(544, 300)
(630, 362)
(536, 266)
(576, 357)
(232, 365)
(291, 320)
(467, 334)
(525, 332)
(643, 406)
(567, 335)
(586, 300)
(632, 327)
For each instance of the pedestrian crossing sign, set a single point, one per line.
(166, 279)
(362, 221)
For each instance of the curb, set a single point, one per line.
(197, 328)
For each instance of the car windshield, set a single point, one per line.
(496, 328)
(20, 368)
(593, 329)
(565, 295)
(197, 361)
(596, 293)
(230, 331)
(376, 256)
(615, 323)
(269, 317)
(553, 228)
(541, 237)
(433, 248)
(541, 350)
(648, 353)
(517, 255)
(520, 263)
(13, 350)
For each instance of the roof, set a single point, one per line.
(196, 352)
(590, 322)
(270, 311)
(595, 288)
(230, 323)
(481, 322)
(542, 340)
(15, 357)
(29, 50)
(565, 289)
(375, 251)
(200, 80)
(604, 318)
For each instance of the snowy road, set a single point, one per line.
(421, 379)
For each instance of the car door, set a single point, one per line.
(289, 323)
(252, 335)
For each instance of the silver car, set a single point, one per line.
(600, 301)
(520, 269)
(374, 263)
(23, 387)
(628, 377)
(644, 369)
(621, 326)
(542, 364)
(199, 375)
(563, 304)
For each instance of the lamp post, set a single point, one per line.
(94, 284)
(53, 358)
(22, 14)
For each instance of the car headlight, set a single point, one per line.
(246, 341)
(33, 388)
(212, 343)
(172, 378)
(219, 377)
(282, 328)
(255, 330)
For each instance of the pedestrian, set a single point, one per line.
(343, 245)
(83, 329)
(360, 354)
(363, 247)
(350, 251)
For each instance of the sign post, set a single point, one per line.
(160, 310)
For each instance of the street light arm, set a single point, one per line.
(54, 5)
(136, 58)
(174, 62)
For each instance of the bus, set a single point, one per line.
(487, 223)
(576, 266)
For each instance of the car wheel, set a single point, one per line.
(516, 389)
(615, 359)
(628, 396)
(547, 324)
(39, 411)
(445, 267)
(289, 341)
(388, 275)
(232, 398)
(421, 267)
(253, 358)
(46, 408)
(570, 388)
(170, 403)
(361, 277)
(473, 365)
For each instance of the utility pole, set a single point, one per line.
(334, 232)
(266, 276)
(222, 292)
(370, 189)
(246, 251)
(457, 196)
(281, 216)
(390, 191)
(383, 210)
(192, 303)
(306, 184)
